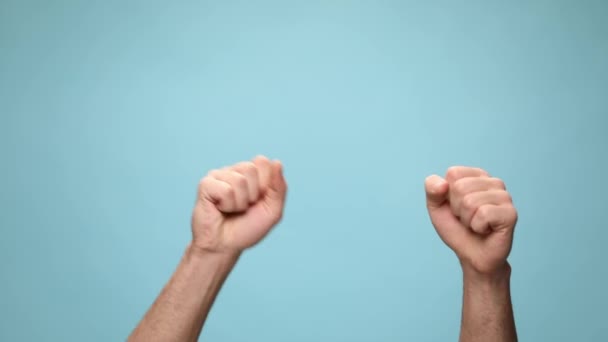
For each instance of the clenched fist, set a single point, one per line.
(238, 205)
(474, 215)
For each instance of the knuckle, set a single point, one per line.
(482, 172)
(203, 183)
(240, 180)
(483, 213)
(468, 201)
(227, 192)
(261, 157)
(249, 166)
(460, 186)
(251, 170)
(503, 197)
(245, 167)
(453, 172)
(213, 173)
(499, 183)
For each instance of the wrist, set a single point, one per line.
(206, 256)
(495, 278)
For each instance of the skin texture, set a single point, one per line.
(236, 208)
(474, 215)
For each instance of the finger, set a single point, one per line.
(450, 229)
(238, 183)
(489, 217)
(436, 189)
(277, 188)
(464, 186)
(471, 202)
(455, 173)
(217, 193)
(273, 200)
(264, 172)
(250, 171)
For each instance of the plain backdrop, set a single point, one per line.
(111, 111)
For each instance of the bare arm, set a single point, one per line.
(487, 313)
(179, 312)
(236, 208)
(474, 215)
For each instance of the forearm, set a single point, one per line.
(487, 313)
(179, 312)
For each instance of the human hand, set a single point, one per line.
(238, 205)
(474, 215)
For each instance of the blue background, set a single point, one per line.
(110, 112)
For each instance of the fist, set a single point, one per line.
(238, 205)
(474, 215)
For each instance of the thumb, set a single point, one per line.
(436, 192)
(449, 228)
(277, 189)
